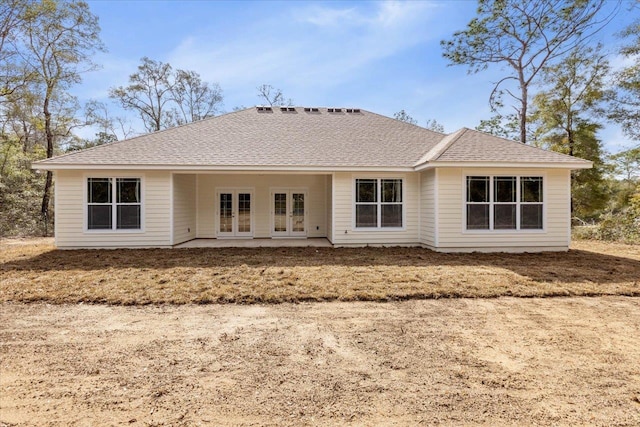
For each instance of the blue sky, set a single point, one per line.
(380, 56)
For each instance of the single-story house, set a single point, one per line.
(345, 174)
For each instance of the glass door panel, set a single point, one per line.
(288, 213)
(226, 213)
(235, 213)
(297, 215)
(244, 213)
(280, 212)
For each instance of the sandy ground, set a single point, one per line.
(557, 361)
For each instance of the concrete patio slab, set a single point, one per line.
(255, 243)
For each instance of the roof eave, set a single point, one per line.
(584, 164)
(220, 168)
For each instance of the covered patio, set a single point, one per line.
(317, 242)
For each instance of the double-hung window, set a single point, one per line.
(114, 204)
(504, 202)
(378, 203)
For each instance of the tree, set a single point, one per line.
(148, 93)
(58, 40)
(502, 126)
(272, 95)
(23, 119)
(195, 99)
(625, 98)
(432, 124)
(20, 188)
(404, 117)
(12, 75)
(164, 98)
(523, 37)
(575, 88)
(564, 113)
(110, 128)
(627, 164)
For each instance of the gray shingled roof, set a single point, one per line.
(474, 146)
(302, 139)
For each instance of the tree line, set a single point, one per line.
(45, 48)
(557, 91)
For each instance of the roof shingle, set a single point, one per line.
(277, 138)
(475, 146)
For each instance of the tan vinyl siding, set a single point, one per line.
(329, 195)
(427, 208)
(184, 208)
(452, 235)
(344, 230)
(261, 185)
(70, 211)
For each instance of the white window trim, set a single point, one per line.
(114, 205)
(354, 203)
(491, 203)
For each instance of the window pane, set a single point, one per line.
(128, 217)
(226, 213)
(280, 212)
(244, 212)
(477, 217)
(297, 219)
(392, 190)
(99, 217)
(504, 217)
(531, 189)
(99, 190)
(391, 216)
(478, 189)
(366, 216)
(504, 189)
(366, 190)
(128, 190)
(531, 217)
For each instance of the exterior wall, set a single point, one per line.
(453, 237)
(433, 209)
(329, 204)
(345, 233)
(428, 208)
(261, 185)
(184, 208)
(70, 211)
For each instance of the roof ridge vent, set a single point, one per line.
(311, 110)
(353, 110)
(263, 108)
(334, 110)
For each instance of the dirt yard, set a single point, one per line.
(36, 272)
(114, 337)
(553, 361)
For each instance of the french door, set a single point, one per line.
(288, 213)
(234, 213)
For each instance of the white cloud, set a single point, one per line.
(328, 17)
(618, 62)
(386, 14)
(313, 48)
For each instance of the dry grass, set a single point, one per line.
(35, 271)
